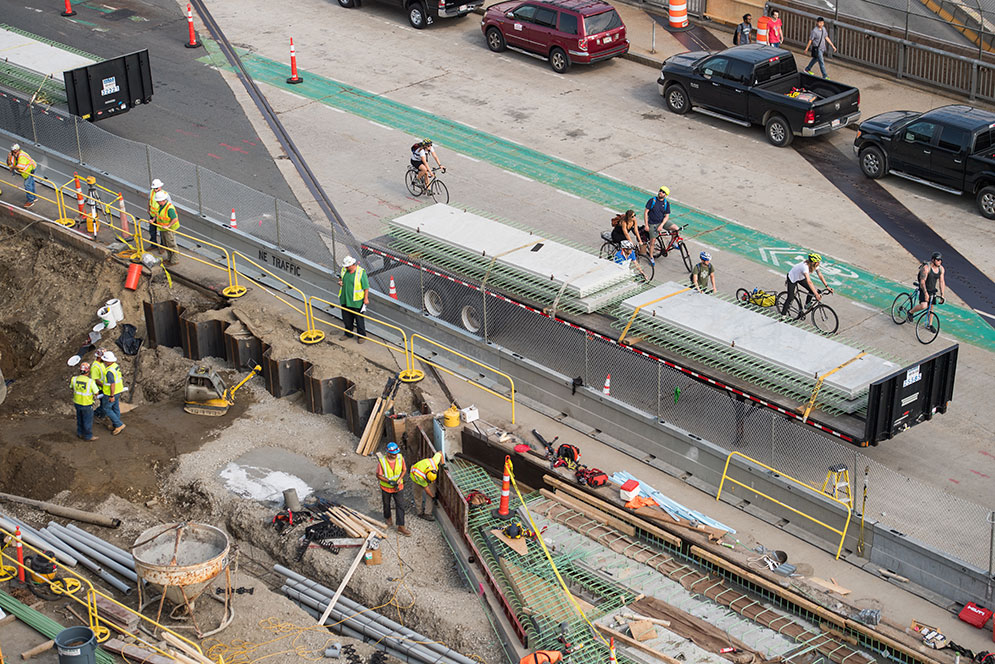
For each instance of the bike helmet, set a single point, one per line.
(937, 256)
(815, 258)
(666, 190)
(625, 244)
(426, 142)
(392, 448)
(705, 256)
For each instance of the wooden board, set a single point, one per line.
(132, 653)
(642, 630)
(519, 546)
(629, 641)
(657, 515)
(589, 510)
(828, 585)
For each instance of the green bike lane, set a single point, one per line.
(854, 282)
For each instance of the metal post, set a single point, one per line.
(908, 10)
(276, 216)
(659, 391)
(148, 162)
(653, 39)
(991, 557)
(483, 312)
(34, 131)
(79, 148)
(200, 201)
(587, 358)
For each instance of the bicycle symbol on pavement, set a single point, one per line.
(785, 257)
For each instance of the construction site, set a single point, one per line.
(585, 464)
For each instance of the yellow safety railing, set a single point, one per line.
(409, 374)
(807, 408)
(310, 335)
(70, 587)
(635, 312)
(849, 511)
(35, 193)
(509, 399)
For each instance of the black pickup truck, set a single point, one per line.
(951, 148)
(758, 84)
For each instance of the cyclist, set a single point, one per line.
(419, 160)
(930, 276)
(626, 256)
(702, 272)
(657, 214)
(801, 275)
(625, 227)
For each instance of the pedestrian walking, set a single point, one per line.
(154, 209)
(775, 29)
(354, 296)
(817, 41)
(424, 474)
(703, 272)
(743, 31)
(390, 473)
(84, 390)
(113, 387)
(21, 163)
(97, 369)
(169, 223)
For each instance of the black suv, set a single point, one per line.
(951, 148)
(422, 13)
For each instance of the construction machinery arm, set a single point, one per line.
(230, 392)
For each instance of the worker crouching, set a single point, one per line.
(390, 472)
(424, 474)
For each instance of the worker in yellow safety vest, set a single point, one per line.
(390, 473)
(154, 208)
(424, 474)
(168, 221)
(113, 387)
(21, 163)
(84, 389)
(542, 657)
(97, 369)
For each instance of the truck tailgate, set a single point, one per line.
(837, 106)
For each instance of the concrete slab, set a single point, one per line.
(751, 333)
(38, 56)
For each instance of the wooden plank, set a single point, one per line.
(38, 649)
(828, 585)
(659, 516)
(629, 641)
(641, 630)
(361, 447)
(870, 632)
(132, 653)
(519, 546)
(191, 653)
(589, 511)
(122, 616)
(345, 580)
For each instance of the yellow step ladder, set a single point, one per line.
(837, 484)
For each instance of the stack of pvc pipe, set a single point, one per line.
(350, 618)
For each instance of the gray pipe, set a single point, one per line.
(55, 545)
(343, 630)
(103, 546)
(99, 571)
(391, 625)
(81, 545)
(37, 541)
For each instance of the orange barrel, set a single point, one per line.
(678, 14)
(134, 274)
(762, 30)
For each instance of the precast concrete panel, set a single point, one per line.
(38, 56)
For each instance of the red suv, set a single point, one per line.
(563, 31)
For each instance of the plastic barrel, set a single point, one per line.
(116, 309)
(134, 274)
(105, 315)
(76, 645)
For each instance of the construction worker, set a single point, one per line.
(19, 162)
(542, 657)
(113, 387)
(154, 209)
(97, 369)
(424, 474)
(390, 472)
(84, 389)
(168, 222)
(354, 296)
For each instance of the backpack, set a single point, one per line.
(617, 219)
(568, 452)
(416, 147)
(593, 477)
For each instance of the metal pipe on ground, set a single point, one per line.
(391, 625)
(99, 571)
(65, 512)
(32, 537)
(344, 630)
(103, 546)
(81, 545)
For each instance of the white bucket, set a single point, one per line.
(116, 309)
(99, 327)
(105, 315)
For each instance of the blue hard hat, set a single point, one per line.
(392, 448)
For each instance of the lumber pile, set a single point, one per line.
(355, 523)
(373, 432)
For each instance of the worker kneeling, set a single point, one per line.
(424, 474)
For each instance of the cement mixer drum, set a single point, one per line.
(183, 556)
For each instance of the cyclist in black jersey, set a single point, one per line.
(419, 160)
(930, 280)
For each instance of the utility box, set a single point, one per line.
(111, 87)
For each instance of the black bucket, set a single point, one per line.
(76, 645)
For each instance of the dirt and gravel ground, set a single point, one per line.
(165, 466)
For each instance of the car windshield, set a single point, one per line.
(602, 22)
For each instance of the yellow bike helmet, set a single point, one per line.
(666, 190)
(815, 258)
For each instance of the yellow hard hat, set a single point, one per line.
(431, 475)
(666, 190)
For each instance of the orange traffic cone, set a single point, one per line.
(125, 226)
(233, 223)
(393, 288)
(503, 511)
(606, 390)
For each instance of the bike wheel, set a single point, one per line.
(659, 247)
(927, 333)
(743, 296)
(900, 308)
(825, 319)
(607, 251)
(412, 182)
(646, 266)
(438, 191)
(794, 309)
(686, 255)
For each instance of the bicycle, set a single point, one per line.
(609, 249)
(823, 317)
(927, 323)
(661, 248)
(436, 188)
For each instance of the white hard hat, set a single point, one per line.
(109, 356)
(347, 261)
(156, 183)
(161, 196)
(15, 147)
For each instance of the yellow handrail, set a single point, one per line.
(510, 399)
(310, 335)
(849, 511)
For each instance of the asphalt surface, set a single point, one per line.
(193, 115)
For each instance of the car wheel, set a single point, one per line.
(778, 131)
(495, 40)
(347, 3)
(677, 99)
(558, 60)
(872, 162)
(986, 202)
(417, 15)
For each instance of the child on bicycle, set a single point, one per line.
(801, 275)
(626, 256)
(419, 160)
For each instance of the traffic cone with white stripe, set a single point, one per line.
(606, 390)
(393, 289)
(504, 509)
(233, 222)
